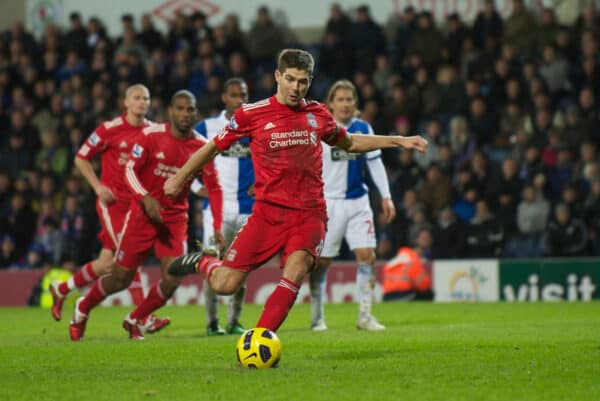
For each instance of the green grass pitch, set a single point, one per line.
(428, 352)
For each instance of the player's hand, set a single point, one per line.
(105, 195)
(388, 209)
(251, 191)
(152, 208)
(203, 192)
(172, 187)
(416, 142)
(219, 240)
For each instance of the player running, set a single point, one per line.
(289, 216)
(112, 140)
(236, 176)
(350, 215)
(153, 219)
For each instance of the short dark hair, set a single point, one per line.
(233, 81)
(296, 58)
(183, 93)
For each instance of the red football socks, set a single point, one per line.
(93, 297)
(136, 290)
(153, 301)
(278, 305)
(83, 276)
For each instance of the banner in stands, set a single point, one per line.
(550, 280)
(299, 14)
(16, 287)
(465, 280)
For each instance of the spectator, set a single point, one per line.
(532, 218)
(488, 24)
(449, 234)
(462, 142)
(8, 255)
(368, 41)
(435, 192)
(265, 39)
(15, 157)
(51, 239)
(485, 233)
(520, 28)
(19, 222)
(72, 225)
(76, 37)
(52, 157)
(567, 235)
(149, 36)
(427, 40)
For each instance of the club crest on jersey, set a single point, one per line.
(312, 120)
(233, 124)
(94, 139)
(137, 151)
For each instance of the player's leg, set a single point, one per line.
(157, 297)
(300, 255)
(360, 235)
(87, 274)
(211, 300)
(118, 280)
(336, 227)
(318, 285)
(235, 302)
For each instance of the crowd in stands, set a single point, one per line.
(509, 107)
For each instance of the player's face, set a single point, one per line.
(182, 114)
(342, 105)
(138, 101)
(292, 85)
(234, 96)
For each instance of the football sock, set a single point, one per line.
(278, 305)
(234, 309)
(207, 264)
(94, 296)
(82, 277)
(153, 301)
(318, 283)
(365, 282)
(136, 289)
(211, 300)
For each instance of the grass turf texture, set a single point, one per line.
(428, 352)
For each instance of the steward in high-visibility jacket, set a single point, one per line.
(405, 276)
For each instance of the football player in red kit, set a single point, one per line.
(289, 216)
(112, 140)
(154, 220)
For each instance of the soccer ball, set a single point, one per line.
(258, 348)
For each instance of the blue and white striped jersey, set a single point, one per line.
(343, 172)
(234, 166)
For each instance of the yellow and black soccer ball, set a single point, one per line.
(259, 348)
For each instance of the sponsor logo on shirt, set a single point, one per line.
(162, 170)
(94, 139)
(292, 138)
(137, 151)
(340, 155)
(238, 150)
(233, 124)
(269, 125)
(312, 120)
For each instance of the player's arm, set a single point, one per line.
(380, 179)
(137, 159)
(215, 200)
(364, 143)
(92, 146)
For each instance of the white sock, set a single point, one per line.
(234, 305)
(318, 285)
(365, 283)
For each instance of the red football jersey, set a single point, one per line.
(285, 144)
(113, 141)
(157, 155)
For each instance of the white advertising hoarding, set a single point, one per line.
(466, 280)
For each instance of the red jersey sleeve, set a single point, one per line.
(332, 132)
(138, 157)
(215, 194)
(238, 128)
(94, 144)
